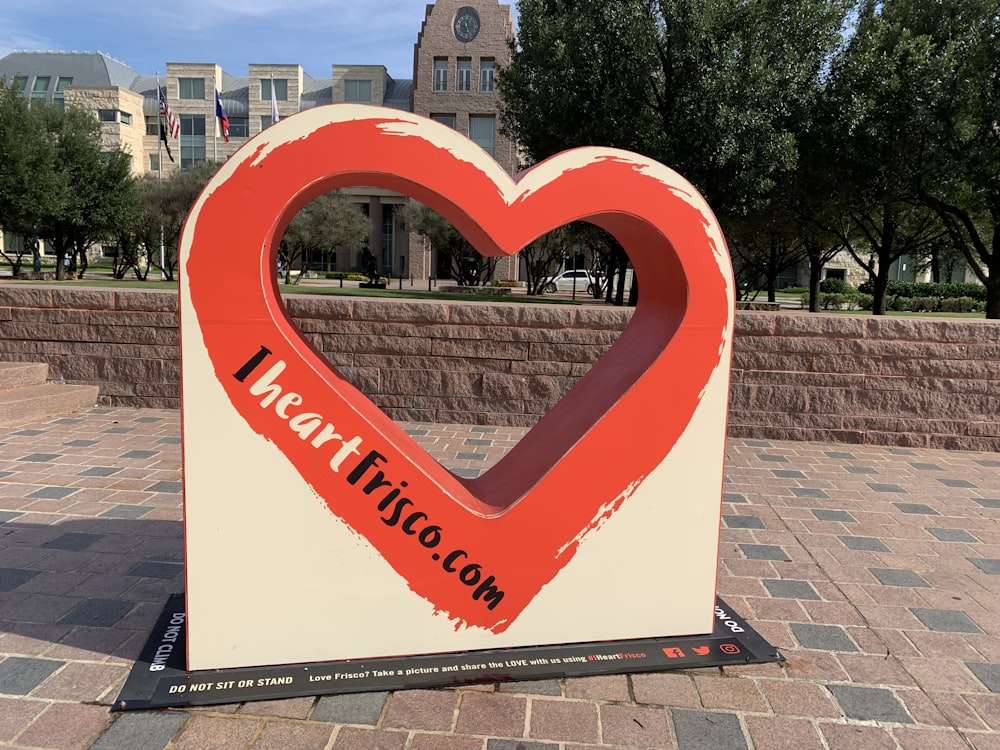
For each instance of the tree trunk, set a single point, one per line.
(993, 279)
(993, 299)
(879, 288)
(815, 271)
(633, 292)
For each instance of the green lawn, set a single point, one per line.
(333, 288)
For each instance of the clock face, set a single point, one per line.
(466, 24)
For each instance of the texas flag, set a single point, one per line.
(220, 112)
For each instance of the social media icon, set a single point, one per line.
(729, 648)
(673, 653)
(701, 650)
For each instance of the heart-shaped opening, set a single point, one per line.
(567, 423)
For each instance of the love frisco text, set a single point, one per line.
(367, 473)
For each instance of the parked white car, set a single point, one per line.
(582, 280)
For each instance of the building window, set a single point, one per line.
(487, 70)
(440, 73)
(280, 89)
(448, 120)
(482, 130)
(388, 238)
(40, 87)
(464, 79)
(152, 125)
(107, 115)
(265, 122)
(190, 88)
(18, 82)
(192, 140)
(124, 118)
(61, 83)
(239, 127)
(357, 91)
(154, 162)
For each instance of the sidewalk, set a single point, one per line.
(876, 572)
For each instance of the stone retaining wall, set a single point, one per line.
(857, 379)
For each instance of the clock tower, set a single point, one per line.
(460, 49)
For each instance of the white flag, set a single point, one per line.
(274, 105)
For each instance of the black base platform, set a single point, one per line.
(159, 680)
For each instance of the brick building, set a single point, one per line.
(458, 49)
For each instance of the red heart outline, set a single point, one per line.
(523, 520)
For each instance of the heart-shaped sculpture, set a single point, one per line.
(269, 424)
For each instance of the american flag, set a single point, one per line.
(220, 112)
(173, 127)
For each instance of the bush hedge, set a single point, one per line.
(901, 304)
(837, 286)
(929, 289)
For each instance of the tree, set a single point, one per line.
(29, 184)
(877, 136)
(957, 100)
(91, 187)
(735, 90)
(322, 226)
(720, 90)
(580, 74)
(541, 257)
(465, 265)
(172, 198)
(137, 233)
(765, 243)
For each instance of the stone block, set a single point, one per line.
(503, 350)
(312, 306)
(525, 387)
(146, 301)
(414, 311)
(82, 298)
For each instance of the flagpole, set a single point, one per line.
(159, 130)
(215, 132)
(159, 161)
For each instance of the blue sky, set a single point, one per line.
(146, 34)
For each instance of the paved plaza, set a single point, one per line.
(875, 571)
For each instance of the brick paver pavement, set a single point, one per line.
(875, 570)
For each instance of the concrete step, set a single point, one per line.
(16, 374)
(28, 403)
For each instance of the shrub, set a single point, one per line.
(836, 286)
(958, 304)
(865, 301)
(899, 303)
(928, 289)
(833, 301)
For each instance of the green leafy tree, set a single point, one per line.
(29, 185)
(736, 88)
(137, 233)
(580, 74)
(92, 188)
(957, 100)
(324, 224)
(465, 265)
(720, 90)
(541, 258)
(876, 133)
(171, 200)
